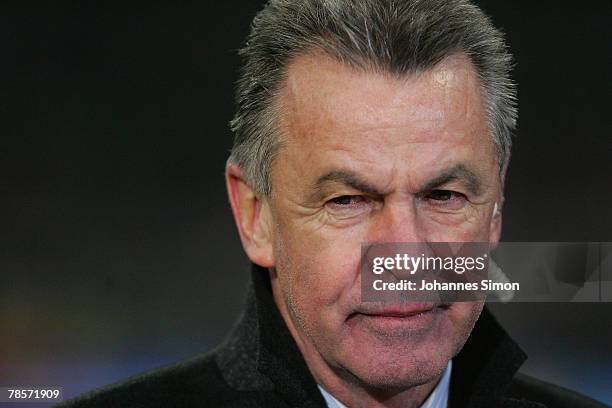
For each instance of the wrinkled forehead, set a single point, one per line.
(320, 93)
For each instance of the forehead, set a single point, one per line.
(321, 93)
(395, 131)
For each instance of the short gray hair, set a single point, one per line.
(401, 37)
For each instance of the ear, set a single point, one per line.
(252, 216)
(495, 228)
(496, 225)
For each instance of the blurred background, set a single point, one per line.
(118, 252)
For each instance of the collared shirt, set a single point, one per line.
(437, 399)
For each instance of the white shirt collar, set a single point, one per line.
(437, 399)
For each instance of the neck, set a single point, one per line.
(341, 383)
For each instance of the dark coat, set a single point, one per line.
(259, 365)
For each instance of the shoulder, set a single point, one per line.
(193, 382)
(553, 396)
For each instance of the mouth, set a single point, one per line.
(390, 318)
(403, 310)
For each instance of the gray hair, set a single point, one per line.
(401, 37)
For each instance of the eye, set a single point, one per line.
(348, 206)
(347, 200)
(441, 195)
(446, 199)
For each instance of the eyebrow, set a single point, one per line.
(347, 178)
(458, 172)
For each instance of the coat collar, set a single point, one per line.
(261, 354)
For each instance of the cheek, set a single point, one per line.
(318, 275)
(473, 228)
(463, 316)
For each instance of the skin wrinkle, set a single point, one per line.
(404, 39)
(395, 134)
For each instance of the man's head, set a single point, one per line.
(369, 121)
(400, 37)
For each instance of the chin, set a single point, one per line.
(398, 367)
(398, 355)
(397, 373)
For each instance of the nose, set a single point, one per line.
(397, 222)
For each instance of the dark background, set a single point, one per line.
(118, 252)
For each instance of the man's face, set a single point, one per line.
(370, 158)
